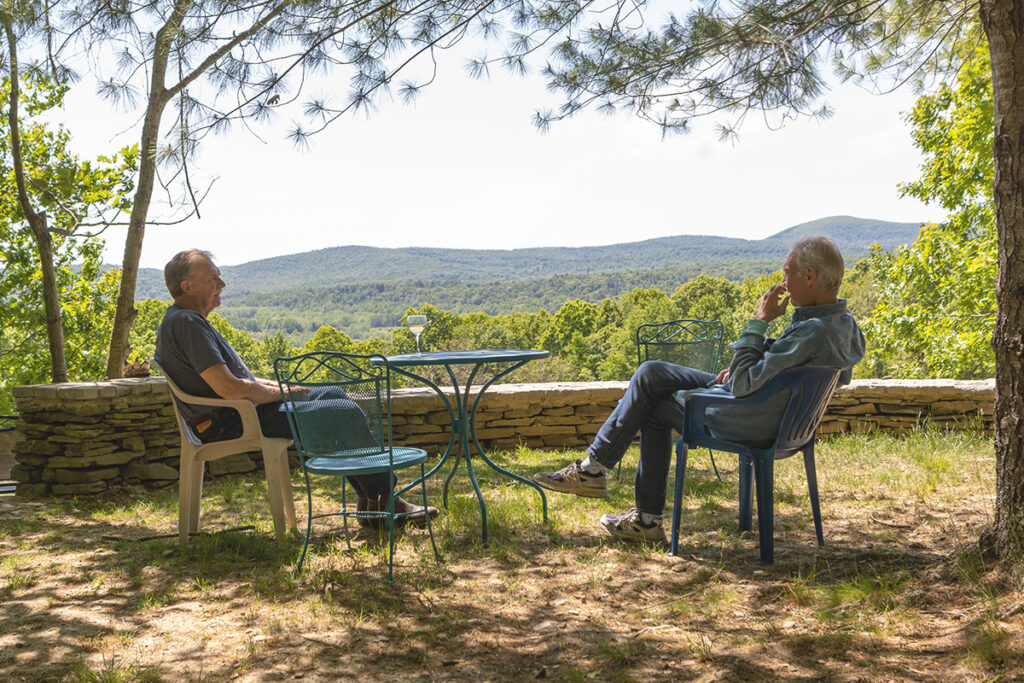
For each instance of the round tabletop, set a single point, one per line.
(467, 357)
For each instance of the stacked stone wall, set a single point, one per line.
(897, 406)
(85, 438)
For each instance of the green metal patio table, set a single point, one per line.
(462, 416)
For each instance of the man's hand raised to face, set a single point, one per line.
(773, 303)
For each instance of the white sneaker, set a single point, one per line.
(574, 479)
(630, 527)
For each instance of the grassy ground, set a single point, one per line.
(899, 593)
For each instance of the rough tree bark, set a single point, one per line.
(36, 221)
(1003, 21)
(159, 96)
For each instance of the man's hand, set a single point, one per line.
(298, 393)
(773, 303)
(722, 377)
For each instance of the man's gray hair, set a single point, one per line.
(823, 255)
(179, 268)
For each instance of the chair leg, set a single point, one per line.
(391, 529)
(309, 523)
(711, 454)
(195, 495)
(184, 497)
(764, 473)
(812, 486)
(677, 495)
(430, 526)
(286, 489)
(272, 458)
(746, 492)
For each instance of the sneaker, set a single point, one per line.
(630, 527)
(574, 479)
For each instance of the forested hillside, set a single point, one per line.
(373, 309)
(358, 264)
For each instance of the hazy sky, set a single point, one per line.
(465, 167)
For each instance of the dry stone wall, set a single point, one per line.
(896, 406)
(85, 438)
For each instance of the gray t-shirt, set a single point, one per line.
(186, 345)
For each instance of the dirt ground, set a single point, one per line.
(899, 593)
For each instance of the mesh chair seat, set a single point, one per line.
(353, 462)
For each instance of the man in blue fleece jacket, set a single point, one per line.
(822, 333)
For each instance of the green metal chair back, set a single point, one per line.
(339, 410)
(691, 343)
(352, 421)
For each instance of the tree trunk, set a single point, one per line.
(1003, 21)
(36, 221)
(51, 299)
(124, 312)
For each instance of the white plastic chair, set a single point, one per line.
(194, 455)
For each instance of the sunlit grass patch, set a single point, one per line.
(112, 672)
(927, 463)
(16, 573)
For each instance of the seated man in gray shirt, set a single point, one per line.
(822, 333)
(203, 363)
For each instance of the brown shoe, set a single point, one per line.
(417, 514)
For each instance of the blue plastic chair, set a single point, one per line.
(345, 430)
(810, 389)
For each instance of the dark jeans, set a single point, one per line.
(648, 408)
(274, 423)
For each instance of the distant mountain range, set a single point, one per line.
(360, 265)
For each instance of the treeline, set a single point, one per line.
(374, 309)
(588, 340)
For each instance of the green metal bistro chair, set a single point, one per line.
(691, 343)
(339, 409)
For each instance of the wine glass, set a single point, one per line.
(416, 323)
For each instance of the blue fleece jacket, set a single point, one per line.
(826, 336)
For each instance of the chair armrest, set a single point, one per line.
(695, 406)
(246, 408)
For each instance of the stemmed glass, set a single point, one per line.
(416, 324)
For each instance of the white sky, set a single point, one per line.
(465, 167)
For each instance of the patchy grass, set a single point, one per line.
(899, 593)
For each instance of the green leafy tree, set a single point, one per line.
(329, 339)
(147, 322)
(55, 302)
(49, 198)
(710, 298)
(936, 300)
(575, 319)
